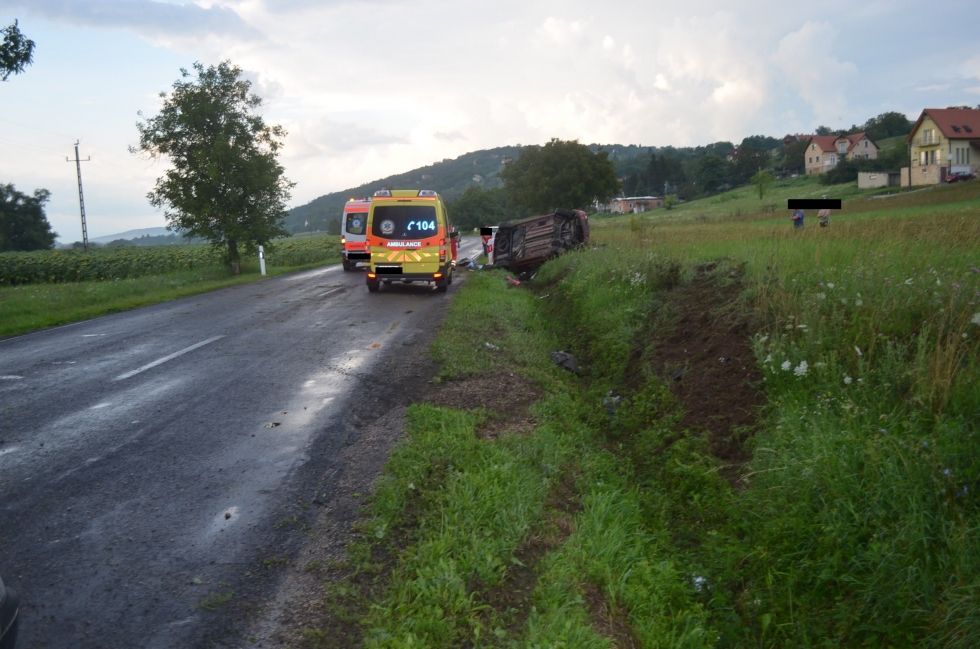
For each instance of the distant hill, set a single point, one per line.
(449, 177)
(132, 234)
(141, 237)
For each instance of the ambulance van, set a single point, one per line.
(353, 233)
(409, 239)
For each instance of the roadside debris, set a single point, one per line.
(610, 402)
(491, 347)
(565, 361)
(513, 281)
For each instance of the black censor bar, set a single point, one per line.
(813, 204)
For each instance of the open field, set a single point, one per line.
(771, 442)
(37, 289)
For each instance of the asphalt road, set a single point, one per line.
(153, 462)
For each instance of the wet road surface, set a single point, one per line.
(153, 462)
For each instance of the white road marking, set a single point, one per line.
(169, 357)
(10, 377)
(93, 335)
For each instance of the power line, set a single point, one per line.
(81, 198)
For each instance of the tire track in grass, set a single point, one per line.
(607, 620)
(508, 603)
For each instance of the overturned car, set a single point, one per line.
(522, 245)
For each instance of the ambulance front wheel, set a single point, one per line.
(349, 265)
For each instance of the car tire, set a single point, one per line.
(374, 286)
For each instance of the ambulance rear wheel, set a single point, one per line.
(374, 286)
(442, 284)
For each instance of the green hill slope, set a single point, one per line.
(449, 177)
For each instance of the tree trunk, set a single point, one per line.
(233, 259)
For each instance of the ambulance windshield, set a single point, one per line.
(404, 221)
(355, 223)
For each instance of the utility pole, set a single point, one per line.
(81, 198)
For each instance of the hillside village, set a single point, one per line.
(889, 150)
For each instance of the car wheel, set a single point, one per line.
(442, 284)
(373, 285)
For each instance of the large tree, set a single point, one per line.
(477, 207)
(16, 51)
(23, 225)
(226, 184)
(559, 174)
(887, 125)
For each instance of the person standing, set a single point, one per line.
(797, 219)
(823, 216)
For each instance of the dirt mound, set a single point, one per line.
(506, 396)
(707, 360)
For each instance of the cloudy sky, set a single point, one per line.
(371, 88)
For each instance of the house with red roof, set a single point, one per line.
(943, 141)
(824, 152)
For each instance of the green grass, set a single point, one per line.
(856, 525)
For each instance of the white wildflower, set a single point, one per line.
(768, 359)
(908, 282)
(859, 302)
(976, 319)
(802, 326)
(821, 296)
(847, 380)
(801, 369)
(857, 350)
(786, 366)
(830, 285)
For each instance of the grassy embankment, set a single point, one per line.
(36, 291)
(849, 518)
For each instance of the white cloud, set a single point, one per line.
(809, 65)
(971, 68)
(372, 88)
(559, 31)
(148, 17)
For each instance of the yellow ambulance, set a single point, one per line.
(410, 239)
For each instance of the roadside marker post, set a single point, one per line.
(262, 260)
